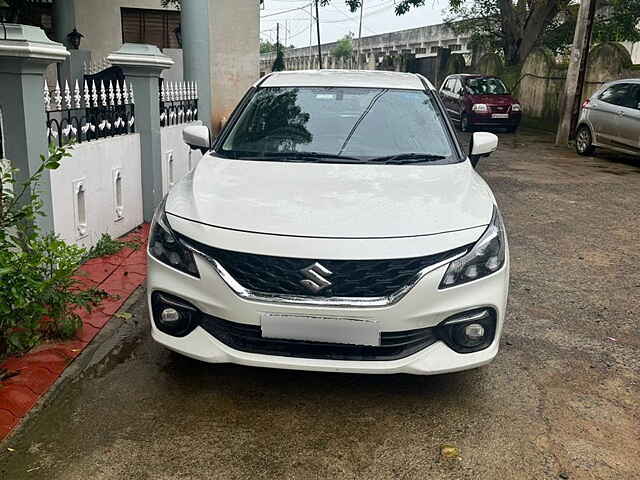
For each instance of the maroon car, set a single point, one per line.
(480, 101)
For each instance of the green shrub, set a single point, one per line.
(39, 298)
(108, 246)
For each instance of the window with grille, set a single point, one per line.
(155, 27)
(454, 47)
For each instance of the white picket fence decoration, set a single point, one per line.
(178, 102)
(95, 112)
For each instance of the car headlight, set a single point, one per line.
(480, 107)
(486, 257)
(515, 107)
(165, 246)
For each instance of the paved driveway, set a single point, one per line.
(560, 401)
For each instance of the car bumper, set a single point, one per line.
(423, 306)
(486, 120)
(436, 359)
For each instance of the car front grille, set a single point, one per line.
(349, 278)
(248, 338)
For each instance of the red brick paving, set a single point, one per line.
(37, 371)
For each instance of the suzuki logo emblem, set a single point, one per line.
(315, 277)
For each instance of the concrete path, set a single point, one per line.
(561, 400)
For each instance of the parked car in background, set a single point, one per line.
(475, 100)
(610, 119)
(335, 225)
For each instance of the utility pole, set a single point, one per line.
(360, 33)
(318, 28)
(577, 71)
(310, 27)
(277, 38)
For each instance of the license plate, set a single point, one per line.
(349, 331)
(500, 115)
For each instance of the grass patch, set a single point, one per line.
(108, 246)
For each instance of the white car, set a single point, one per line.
(336, 225)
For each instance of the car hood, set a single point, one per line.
(494, 99)
(332, 200)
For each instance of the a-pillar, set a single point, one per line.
(220, 42)
(25, 53)
(142, 66)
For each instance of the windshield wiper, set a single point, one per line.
(403, 158)
(310, 156)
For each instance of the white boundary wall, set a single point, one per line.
(98, 190)
(177, 158)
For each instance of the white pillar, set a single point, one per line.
(25, 53)
(220, 40)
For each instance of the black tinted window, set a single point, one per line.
(355, 122)
(621, 94)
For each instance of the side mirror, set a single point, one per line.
(483, 144)
(198, 137)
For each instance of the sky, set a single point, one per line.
(336, 20)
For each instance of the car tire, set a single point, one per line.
(465, 126)
(584, 141)
(512, 128)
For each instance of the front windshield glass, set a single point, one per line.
(345, 124)
(486, 86)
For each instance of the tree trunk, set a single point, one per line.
(521, 28)
(541, 13)
(512, 30)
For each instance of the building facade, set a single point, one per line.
(385, 51)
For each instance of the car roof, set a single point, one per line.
(624, 80)
(344, 78)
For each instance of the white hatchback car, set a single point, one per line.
(335, 224)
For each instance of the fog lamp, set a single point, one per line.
(170, 316)
(173, 315)
(469, 331)
(474, 332)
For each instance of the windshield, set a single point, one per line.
(340, 125)
(486, 86)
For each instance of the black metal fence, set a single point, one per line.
(178, 103)
(94, 114)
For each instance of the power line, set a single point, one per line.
(306, 28)
(285, 11)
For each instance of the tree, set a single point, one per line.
(344, 47)
(267, 47)
(278, 63)
(513, 26)
(518, 26)
(401, 6)
(177, 4)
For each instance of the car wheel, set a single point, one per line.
(512, 128)
(584, 141)
(465, 126)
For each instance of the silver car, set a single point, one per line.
(611, 119)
